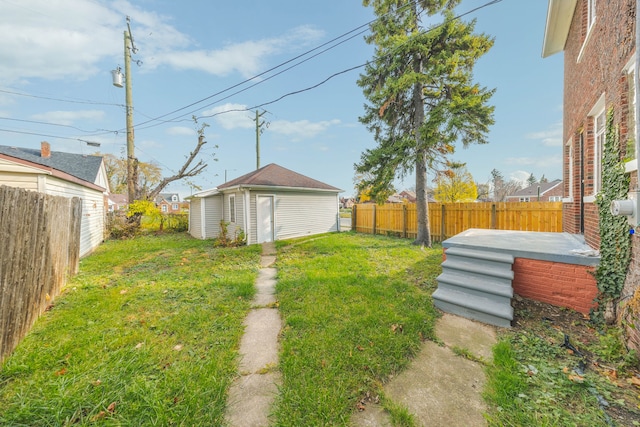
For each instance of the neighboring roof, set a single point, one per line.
(274, 175)
(532, 191)
(119, 199)
(559, 17)
(166, 197)
(81, 166)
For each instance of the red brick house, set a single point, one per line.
(169, 203)
(600, 72)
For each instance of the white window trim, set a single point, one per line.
(570, 179)
(591, 22)
(597, 109)
(632, 165)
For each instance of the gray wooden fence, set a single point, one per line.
(39, 247)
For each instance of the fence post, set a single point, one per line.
(404, 220)
(442, 224)
(374, 220)
(493, 216)
(354, 218)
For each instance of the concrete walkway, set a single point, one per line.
(252, 394)
(440, 388)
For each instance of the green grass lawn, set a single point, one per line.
(356, 308)
(146, 334)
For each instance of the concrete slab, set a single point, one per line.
(269, 248)
(259, 344)
(373, 416)
(267, 260)
(250, 400)
(441, 389)
(478, 338)
(555, 247)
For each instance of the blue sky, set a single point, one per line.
(55, 84)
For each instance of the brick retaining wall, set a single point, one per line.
(566, 285)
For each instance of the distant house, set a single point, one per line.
(347, 202)
(409, 196)
(169, 203)
(540, 192)
(268, 204)
(62, 174)
(118, 202)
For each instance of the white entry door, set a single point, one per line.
(265, 218)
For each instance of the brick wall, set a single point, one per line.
(594, 65)
(565, 285)
(629, 309)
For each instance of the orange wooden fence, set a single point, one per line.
(448, 219)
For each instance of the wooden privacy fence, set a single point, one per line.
(448, 219)
(39, 245)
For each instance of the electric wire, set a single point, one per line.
(157, 118)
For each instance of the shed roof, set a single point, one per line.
(81, 166)
(273, 175)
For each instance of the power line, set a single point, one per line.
(358, 29)
(61, 100)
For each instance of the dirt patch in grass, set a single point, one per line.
(586, 349)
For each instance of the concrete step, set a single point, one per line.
(478, 308)
(476, 284)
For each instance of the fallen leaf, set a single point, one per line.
(360, 348)
(112, 407)
(122, 292)
(178, 347)
(139, 345)
(96, 383)
(61, 372)
(361, 407)
(576, 378)
(635, 381)
(100, 415)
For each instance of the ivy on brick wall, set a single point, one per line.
(615, 239)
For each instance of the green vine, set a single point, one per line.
(615, 239)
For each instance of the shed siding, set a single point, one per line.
(19, 180)
(195, 218)
(93, 211)
(302, 214)
(238, 226)
(212, 216)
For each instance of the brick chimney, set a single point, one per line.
(45, 150)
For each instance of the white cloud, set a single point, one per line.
(301, 129)
(537, 162)
(70, 39)
(231, 116)
(246, 57)
(551, 137)
(69, 117)
(181, 131)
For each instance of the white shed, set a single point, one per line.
(268, 204)
(62, 174)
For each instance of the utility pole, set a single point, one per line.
(131, 157)
(259, 130)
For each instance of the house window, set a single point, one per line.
(232, 208)
(525, 199)
(164, 208)
(174, 207)
(555, 198)
(174, 198)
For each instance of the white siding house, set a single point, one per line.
(62, 174)
(271, 203)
